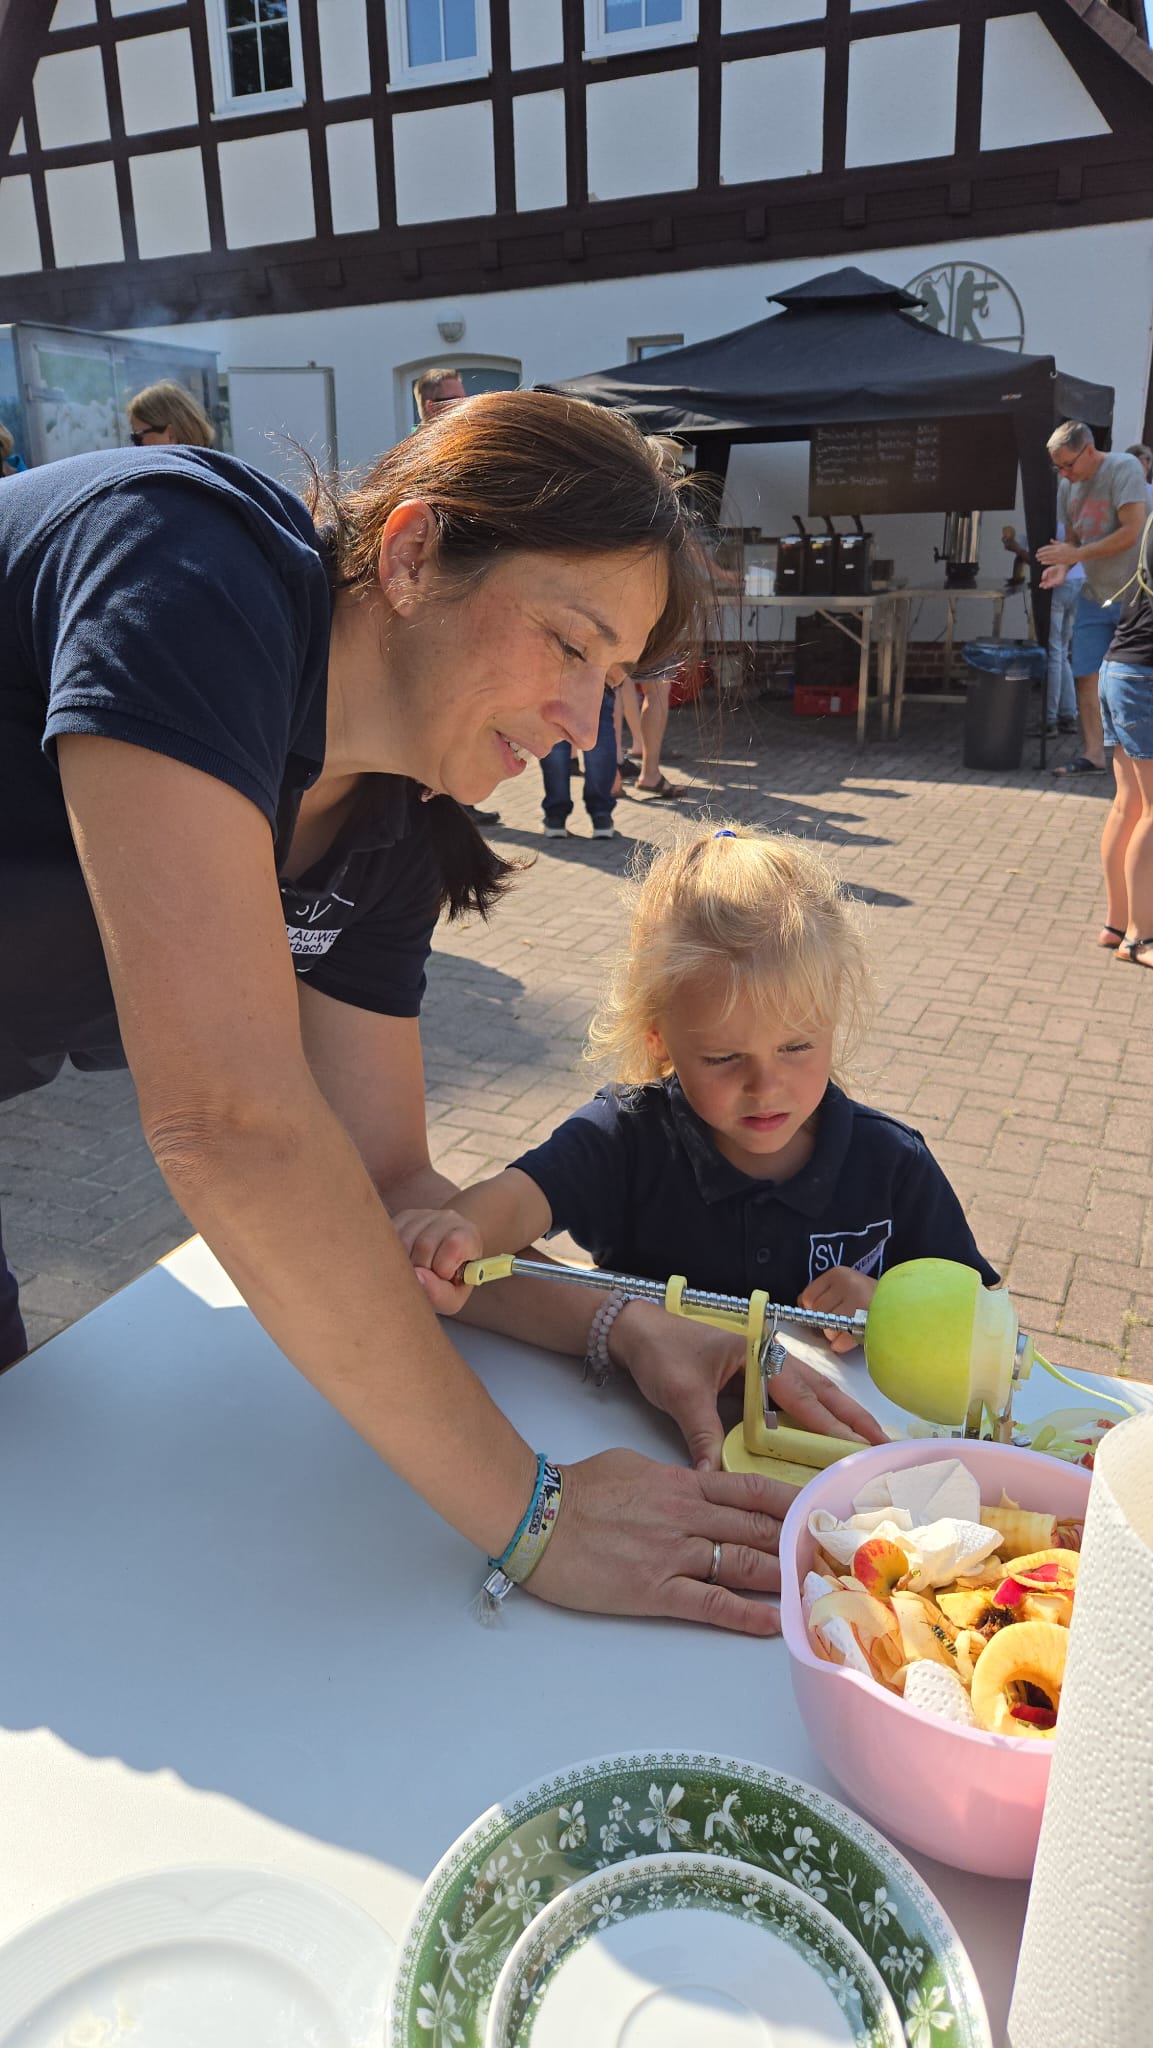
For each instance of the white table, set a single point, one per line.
(996, 594)
(874, 613)
(229, 1634)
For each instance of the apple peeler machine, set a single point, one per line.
(937, 1344)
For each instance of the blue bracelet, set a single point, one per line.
(498, 1563)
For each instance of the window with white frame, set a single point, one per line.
(476, 373)
(256, 60)
(437, 42)
(614, 26)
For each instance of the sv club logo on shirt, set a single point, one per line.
(863, 1250)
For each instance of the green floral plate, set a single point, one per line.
(665, 1947)
(519, 1855)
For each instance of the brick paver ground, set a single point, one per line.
(1017, 1048)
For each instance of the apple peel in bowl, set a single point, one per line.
(965, 1622)
(947, 1786)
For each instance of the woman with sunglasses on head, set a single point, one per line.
(166, 415)
(237, 738)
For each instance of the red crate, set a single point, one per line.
(690, 679)
(824, 700)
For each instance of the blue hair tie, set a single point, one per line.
(724, 833)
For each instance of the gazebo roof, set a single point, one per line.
(845, 346)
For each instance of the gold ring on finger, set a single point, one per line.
(715, 1567)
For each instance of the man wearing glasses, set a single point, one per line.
(1101, 510)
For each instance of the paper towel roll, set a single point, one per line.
(1085, 1978)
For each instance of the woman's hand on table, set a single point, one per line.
(635, 1537)
(439, 1242)
(840, 1292)
(681, 1367)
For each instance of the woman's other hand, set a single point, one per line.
(439, 1242)
(681, 1367)
(635, 1537)
(839, 1292)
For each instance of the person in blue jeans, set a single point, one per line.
(600, 774)
(1061, 689)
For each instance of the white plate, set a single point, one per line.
(198, 1958)
(670, 1951)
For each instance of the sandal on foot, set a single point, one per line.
(662, 787)
(1081, 765)
(1130, 948)
(1110, 945)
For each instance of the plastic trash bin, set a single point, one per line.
(1001, 676)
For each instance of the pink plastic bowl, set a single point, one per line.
(968, 1798)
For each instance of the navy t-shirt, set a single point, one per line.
(178, 600)
(636, 1178)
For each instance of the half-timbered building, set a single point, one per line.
(340, 191)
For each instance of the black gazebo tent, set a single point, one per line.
(847, 347)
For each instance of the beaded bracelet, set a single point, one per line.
(521, 1557)
(598, 1364)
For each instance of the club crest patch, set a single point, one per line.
(862, 1249)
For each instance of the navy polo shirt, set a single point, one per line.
(178, 600)
(637, 1180)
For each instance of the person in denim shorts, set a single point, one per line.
(1101, 507)
(1127, 720)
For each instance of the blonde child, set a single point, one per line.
(724, 1149)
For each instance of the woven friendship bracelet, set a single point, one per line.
(529, 1544)
(498, 1563)
(598, 1364)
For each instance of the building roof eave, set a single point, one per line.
(1119, 30)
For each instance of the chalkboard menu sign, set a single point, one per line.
(951, 465)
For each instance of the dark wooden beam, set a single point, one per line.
(23, 36)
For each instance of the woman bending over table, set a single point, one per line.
(234, 750)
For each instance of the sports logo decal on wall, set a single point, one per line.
(970, 302)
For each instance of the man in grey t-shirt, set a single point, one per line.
(1101, 508)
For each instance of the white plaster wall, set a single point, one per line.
(745, 14)
(1029, 90)
(642, 135)
(902, 97)
(444, 163)
(865, 6)
(73, 14)
(343, 29)
(536, 32)
(71, 106)
(538, 128)
(266, 188)
(772, 116)
(157, 82)
(169, 203)
(352, 177)
(19, 145)
(564, 330)
(19, 240)
(138, 6)
(85, 215)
